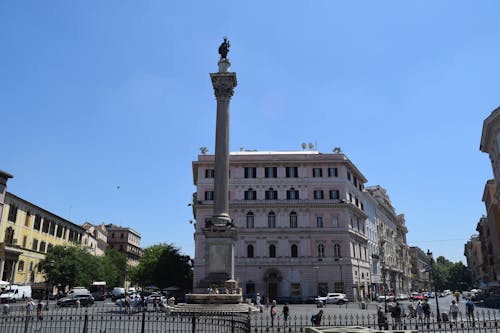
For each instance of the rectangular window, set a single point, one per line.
(52, 228)
(318, 195)
(35, 245)
(27, 219)
(334, 194)
(250, 195)
(45, 226)
(348, 175)
(38, 221)
(271, 194)
(292, 172)
(250, 172)
(355, 182)
(317, 172)
(24, 241)
(42, 246)
(59, 231)
(20, 266)
(335, 221)
(339, 287)
(319, 221)
(209, 173)
(292, 194)
(250, 288)
(12, 213)
(350, 197)
(271, 172)
(209, 195)
(322, 288)
(333, 172)
(295, 290)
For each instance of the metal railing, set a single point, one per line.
(88, 320)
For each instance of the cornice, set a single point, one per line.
(489, 123)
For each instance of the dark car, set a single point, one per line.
(84, 299)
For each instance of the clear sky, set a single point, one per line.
(104, 104)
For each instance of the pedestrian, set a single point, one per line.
(286, 312)
(411, 310)
(469, 308)
(272, 312)
(418, 310)
(426, 309)
(381, 319)
(127, 303)
(396, 314)
(454, 310)
(457, 296)
(39, 307)
(316, 319)
(30, 307)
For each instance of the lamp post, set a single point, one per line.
(433, 272)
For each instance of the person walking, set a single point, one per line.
(396, 314)
(457, 296)
(316, 319)
(454, 310)
(419, 311)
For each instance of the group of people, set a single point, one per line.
(422, 311)
(139, 303)
(31, 307)
(285, 312)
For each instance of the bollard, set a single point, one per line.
(193, 324)
(143, 321)
(86, 323)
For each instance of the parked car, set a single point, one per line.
(382, 298)
(402, 297)
(117, 293)
(155, 296)
(332, 298)
(430, 294)
(84, 299)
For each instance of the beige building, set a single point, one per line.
(27, 231)
(125, 240)
(420, 264)
(95, 238)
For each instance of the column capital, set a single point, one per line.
(223, 84)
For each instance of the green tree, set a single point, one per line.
(112, 268)
(69, 266)
(450, 275)
(163, 265)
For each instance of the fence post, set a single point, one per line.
(86, 322)
(232, 325)
(26, 323)
(193, 324)
(143, 321)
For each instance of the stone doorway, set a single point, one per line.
(272, 278)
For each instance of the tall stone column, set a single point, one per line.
(223, 83)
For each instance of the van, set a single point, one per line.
(15, 293)
(117, 293)
(78, 291)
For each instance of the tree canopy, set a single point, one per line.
(451, 275)
(163, 265)
(70, 266)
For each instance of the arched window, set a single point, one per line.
(321, 250)
(250, 251)
(292, 194)
(250, 194)
(336, 251)
(271, 220)
(293, 220)
(294, 251)
(272, 251)
(250, 220)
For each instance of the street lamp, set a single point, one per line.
(433, 272)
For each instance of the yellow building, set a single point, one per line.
(27, 231)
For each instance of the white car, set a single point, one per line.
(332, 298)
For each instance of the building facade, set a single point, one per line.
(27, 231)
(301, 223)
(125, 240)
(95, 238)
(420, 265)
(393, 250)
(474, 256)
(489, 229)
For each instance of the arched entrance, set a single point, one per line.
(272, 278)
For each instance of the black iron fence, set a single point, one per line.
(481, 321)
(110, 321)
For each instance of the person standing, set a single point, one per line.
(469, 308)
(286, 312)
(396, 314)
(419, 310)
(272, 312)
(426, 309)
(39, 307)
(454, 310)
(381, 319)
(457, 296)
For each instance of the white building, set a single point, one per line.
(301, 223)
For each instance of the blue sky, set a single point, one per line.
(104, 104)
